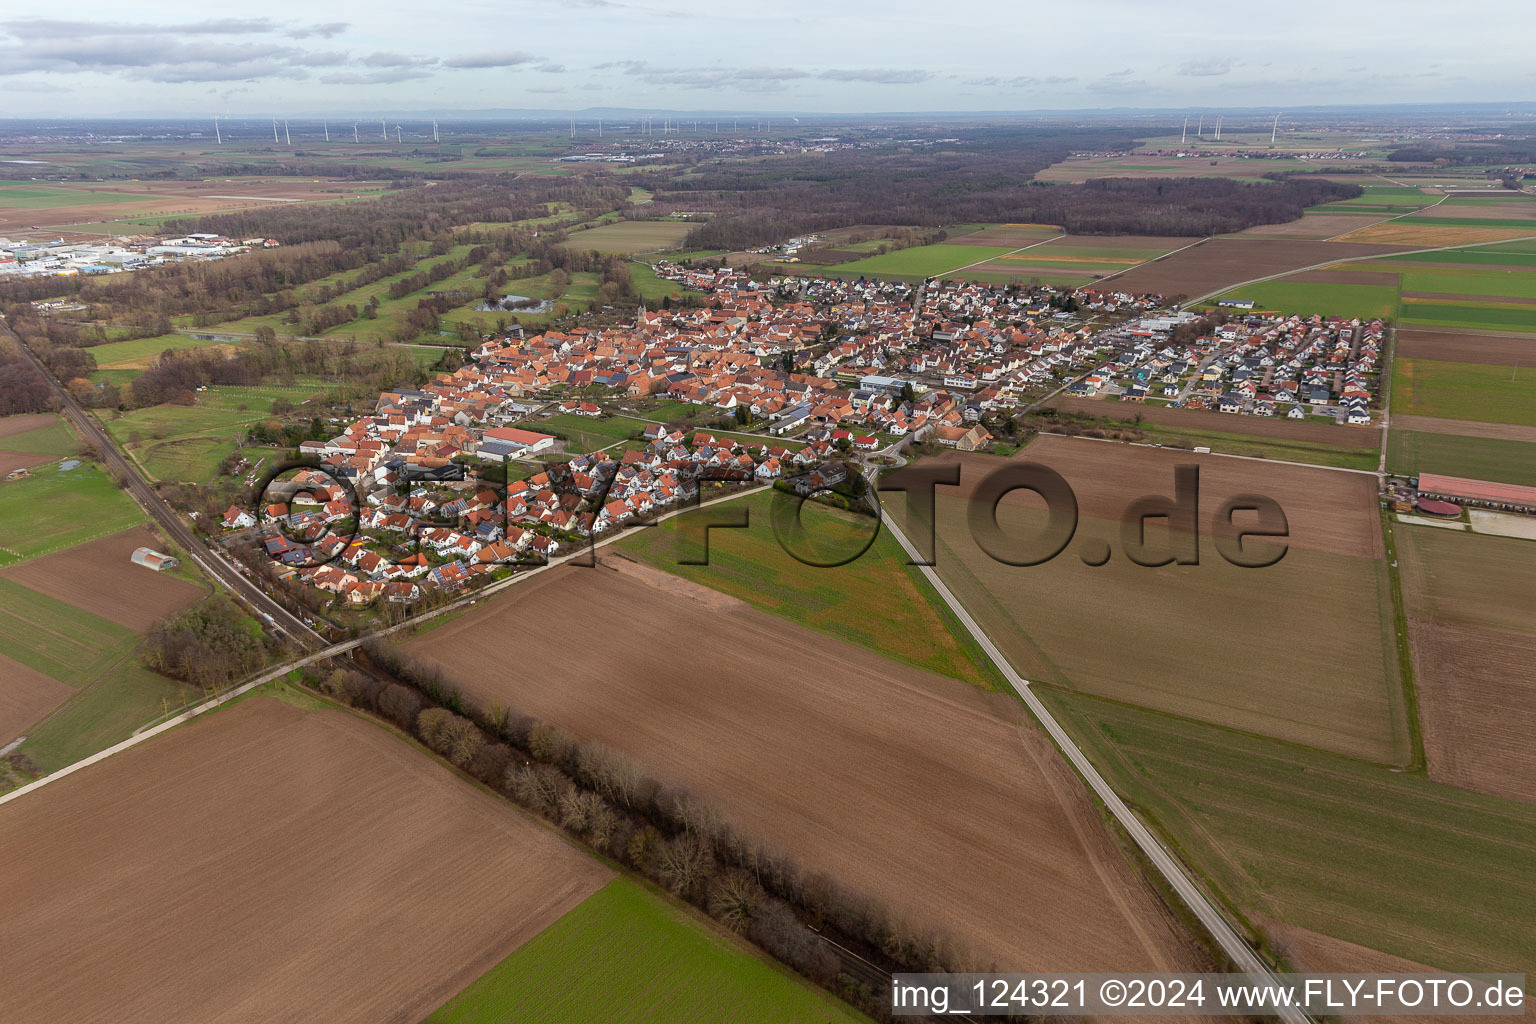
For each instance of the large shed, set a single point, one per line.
(1478, 493)
(149, 558)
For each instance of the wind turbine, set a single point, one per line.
(216, 133)
(327, 126)
(354, 133)
(1200, 128)
(1218, 127)
(274, 130)
(383, 132)
(435, 137)
(1274, 128)
(1185, 133)
(286, 136)
(397, 135)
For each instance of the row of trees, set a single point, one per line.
(609, 802)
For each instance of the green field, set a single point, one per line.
(630, 236)
(1315, 453)
(1464, 391)
(1485, 316)
(1385, 859)
(1411, 452)
(140, 351)
(877, 602)
(52, 510)
(625, 954)
(58, 639)
(1472, 222)
(187, 442)
(54, 439)
(1485, 256)
(587, 433)
(1365, 301)
(921, 261)
(102, 715)
(1518, 284)
(23, 197)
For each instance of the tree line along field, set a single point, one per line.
(876, 601)
(639, 960)
(809, 746)
(1303, 650)
(1292, 837)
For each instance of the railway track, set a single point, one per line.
(215, 565)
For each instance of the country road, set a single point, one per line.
(217, 568)
(1209, 915)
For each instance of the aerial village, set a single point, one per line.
(824, 371)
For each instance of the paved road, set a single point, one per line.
(1233, 944)
(217, 567)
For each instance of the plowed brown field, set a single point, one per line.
(267, 863)
(1302, 650)
(99, 578)
(1226, 262)
(1465, 347)
(1468, 599)
(914, 788)
(25, 696)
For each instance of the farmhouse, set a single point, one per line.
(152, 559)
(1478, 493)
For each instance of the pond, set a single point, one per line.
(516, 304)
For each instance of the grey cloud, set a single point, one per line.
(31, 29)
(884, 76)
(503, 59)
(1206, 68)
(552, 69)
(395, 60)
(387, 76)
(324, 31)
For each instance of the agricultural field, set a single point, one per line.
(642, 960)
(1294, 838)
(181, 442)
(122, 206)
(1282, 433)
(1411, 452)
(630, 236)
(107, 711)
(55, 509)
(31, 440)
(97, 577)
(877, 601)
(1468, 599)
(921, 261)
(138, 353)
(57, 639)
(1218, 264)
(1126, 632)
(217, 822)
(587, 433)
(1072, 259)
(809, 744)
(1361, 301)
(1464, 391)
(27, 696)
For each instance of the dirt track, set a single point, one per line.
(266, 864)
(1226, 262)
(99, 578)
(25, 696)
(897, 782)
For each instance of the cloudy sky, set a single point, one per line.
(296, 58)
